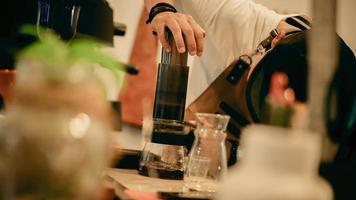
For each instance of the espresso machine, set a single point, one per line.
(163, 156)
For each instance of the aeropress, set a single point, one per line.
(164, 155)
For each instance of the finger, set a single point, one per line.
(280, 35)
(162, 37)
(189, 36)
(199, 34)
(177, 34)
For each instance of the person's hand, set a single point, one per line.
(282, 27)
(179, 24)
(281, 34)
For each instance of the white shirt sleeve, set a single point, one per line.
(233, 27)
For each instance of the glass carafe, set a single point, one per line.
(207, 162)
(165, 159)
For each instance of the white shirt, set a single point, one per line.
(233, 27)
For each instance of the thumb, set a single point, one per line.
(280, 35)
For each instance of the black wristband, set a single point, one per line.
(159, 8)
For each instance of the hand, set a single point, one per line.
(281, 34)
(179, 24)
(282, 27)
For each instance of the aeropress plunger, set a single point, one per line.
(163, 157)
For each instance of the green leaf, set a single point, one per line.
(57, 54)
(88, 51)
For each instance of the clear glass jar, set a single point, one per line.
(165, 159)
(207, 162)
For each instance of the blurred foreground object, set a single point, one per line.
(332, 99)
(54, 137)
(277, 164)
(68, 18)
(323, 57)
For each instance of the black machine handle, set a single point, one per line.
(68, 23)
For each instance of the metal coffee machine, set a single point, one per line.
(164, 155)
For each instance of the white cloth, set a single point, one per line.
(233, 27)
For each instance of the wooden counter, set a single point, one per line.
(128, 181)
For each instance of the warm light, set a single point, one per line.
(79, 125)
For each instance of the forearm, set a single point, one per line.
(150, 3)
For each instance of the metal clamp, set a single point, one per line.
(238, 70)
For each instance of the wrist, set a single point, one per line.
(160, 8)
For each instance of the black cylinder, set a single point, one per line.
(171, 92)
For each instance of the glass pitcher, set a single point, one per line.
(166, 159)
(207, 162)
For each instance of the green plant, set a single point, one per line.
(58, 55)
